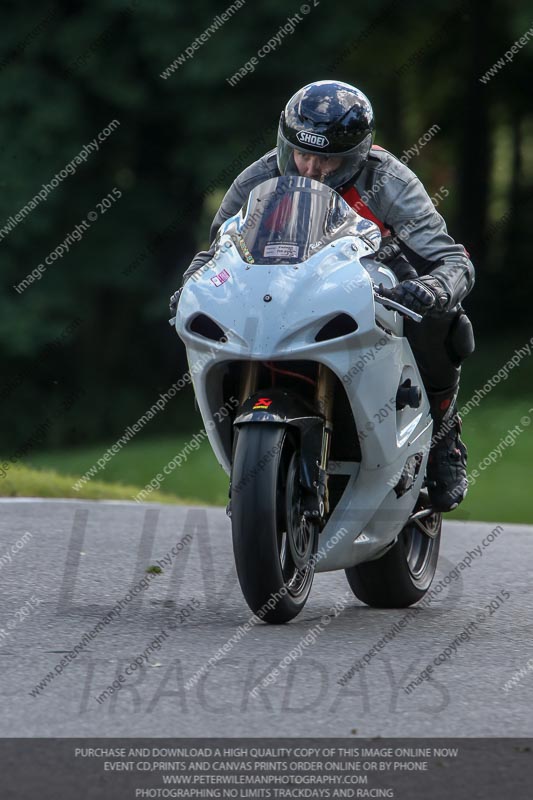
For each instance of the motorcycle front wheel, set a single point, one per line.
(273, 542)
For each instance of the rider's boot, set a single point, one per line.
(446, 470)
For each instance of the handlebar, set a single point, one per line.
(381, 298)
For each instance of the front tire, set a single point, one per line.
(404, 574)
(273, 543)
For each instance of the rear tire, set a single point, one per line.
(404, 574)
(272, 544)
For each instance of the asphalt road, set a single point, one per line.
(81, 558)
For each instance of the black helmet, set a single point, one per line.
(327, 118)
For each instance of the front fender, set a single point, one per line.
(283, 408)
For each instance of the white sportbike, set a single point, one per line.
(312, 401)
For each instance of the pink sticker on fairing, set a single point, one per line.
(221, 278)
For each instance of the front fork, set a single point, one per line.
(324, 394)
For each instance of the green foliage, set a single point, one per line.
(26, 482)
(199, 477)
(67, 70)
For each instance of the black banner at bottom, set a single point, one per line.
(116, 769)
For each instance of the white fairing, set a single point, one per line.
(303, 298)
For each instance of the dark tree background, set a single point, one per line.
(88, 345)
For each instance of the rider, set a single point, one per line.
(326, 132)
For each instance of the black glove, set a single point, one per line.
(173, 307)
(424, 295)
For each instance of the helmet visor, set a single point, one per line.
(332, 169)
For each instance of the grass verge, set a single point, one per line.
(23, 481)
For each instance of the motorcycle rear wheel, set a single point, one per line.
(403, 575)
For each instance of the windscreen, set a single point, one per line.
(286, 220)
